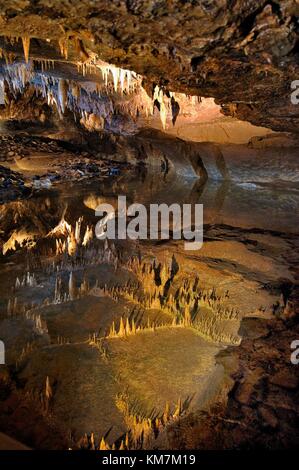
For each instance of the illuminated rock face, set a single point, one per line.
(113, 99)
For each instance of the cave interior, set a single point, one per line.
(129, 344)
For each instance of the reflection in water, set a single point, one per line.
(224, 202)
(117, 340)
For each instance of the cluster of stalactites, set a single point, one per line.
(165, 103)
(116, 80)
(59, 93)
(9, 57)
(123, 80)
(25, 41)
(45, 64)
(17, 76)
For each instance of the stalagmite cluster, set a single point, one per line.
(142, 431)
(27, 280)
(26, 351)
(40, 325)
(185, 303)
(128, 327)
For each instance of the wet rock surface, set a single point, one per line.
(262, 410)
(15, 147)
(12, 185)
(54, 162)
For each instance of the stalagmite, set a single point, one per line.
(122, 447)
(72, 286)
(63, 228)
(166, 413)
(92, 443)
(57, 293)
(9, 309)
(103, 445)
(121, 331)
(48, 393)
(84, 287)
(178, 409)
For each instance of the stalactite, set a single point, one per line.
(115, 75)
(63, 46)
(159, 96)
(80, 49)
(62, 94)
(26, 47)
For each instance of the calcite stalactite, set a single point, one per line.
(26, 47)
(63, 46)
(62, 95)
(159, 96)
(242, 56)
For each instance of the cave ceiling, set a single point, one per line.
(242, 53)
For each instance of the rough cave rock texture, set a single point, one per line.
(243, 53)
